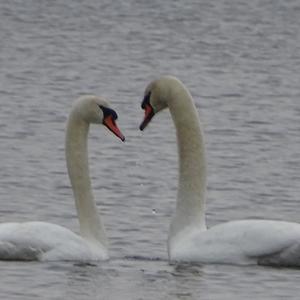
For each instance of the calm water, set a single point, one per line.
(240, 60)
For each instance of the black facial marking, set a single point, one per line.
(146, 100)
(108, 112)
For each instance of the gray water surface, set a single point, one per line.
(241, 62)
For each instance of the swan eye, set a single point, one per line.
(146, 100)
(108, 112)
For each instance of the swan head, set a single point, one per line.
(156, 97)
(96, 110)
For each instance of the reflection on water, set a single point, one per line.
(144, 279)
(239, 60)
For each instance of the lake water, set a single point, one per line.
(241, 62)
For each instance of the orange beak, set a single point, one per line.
(110, 123)
(149, 113)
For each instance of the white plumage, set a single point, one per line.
(45, 241)
(263, 242)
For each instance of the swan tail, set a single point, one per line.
(288, 257)
(9, 251)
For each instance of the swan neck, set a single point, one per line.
(190, 208)
(91, 226)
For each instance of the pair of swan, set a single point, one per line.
(263, 242)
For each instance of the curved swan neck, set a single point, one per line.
(190, 208)
(91, 227)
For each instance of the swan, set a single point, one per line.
(242, 242)
(50, 242)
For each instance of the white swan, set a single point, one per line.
(263, 242)
(44, 241)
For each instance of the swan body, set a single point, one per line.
(242, 242)
(264, 242)
(48, 242)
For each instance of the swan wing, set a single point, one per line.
(286, 257)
